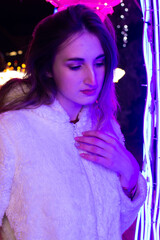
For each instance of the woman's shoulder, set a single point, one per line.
(10, 116)
(28, 117)
(12, 122)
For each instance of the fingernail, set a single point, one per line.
(76, 138)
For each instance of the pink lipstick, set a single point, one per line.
(89, 92)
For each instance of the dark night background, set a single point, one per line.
(17, 21)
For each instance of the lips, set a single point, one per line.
(89, 92)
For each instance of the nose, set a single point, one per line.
(90, 77)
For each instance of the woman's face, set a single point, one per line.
(78, 71)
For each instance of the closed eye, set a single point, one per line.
(99, 64)
(76, 67)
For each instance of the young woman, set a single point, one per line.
(64, 170)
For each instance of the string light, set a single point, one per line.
(122, 16)
(20, 52)
(122, 26)
(9, 64)
(125, 39)
(14, 53)
(23, 65)
(156, 213)
(148, 221)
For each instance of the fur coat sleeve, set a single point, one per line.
(7, 166)
(130, 209)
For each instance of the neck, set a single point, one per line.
(72, 110)
(76, 120)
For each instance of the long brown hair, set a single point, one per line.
(38, 87)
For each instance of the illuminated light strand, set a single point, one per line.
(144, 217)
(125, 27)
(148, 125)
(150, 221)
(156, 214)
(14, 53)
(148, 128)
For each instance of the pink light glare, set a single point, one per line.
(102, 8)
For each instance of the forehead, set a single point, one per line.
(81, 45)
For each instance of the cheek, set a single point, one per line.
(67, 80)
(64, 85)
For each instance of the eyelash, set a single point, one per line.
(100, 64)
(77, 67)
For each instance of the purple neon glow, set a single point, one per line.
(156, 215)
(148, 221)
(102, 8)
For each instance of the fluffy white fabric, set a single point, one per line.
(47, 191)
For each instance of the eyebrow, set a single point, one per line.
(82, 59)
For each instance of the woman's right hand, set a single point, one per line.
(104, 149)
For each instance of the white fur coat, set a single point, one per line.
(47, 191)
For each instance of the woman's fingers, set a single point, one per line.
(97, 150)
(96, 142)
(93, 158)
(92, 149)
(106, 150)
(91, 140)
(101, 135)
(106, 162)
(99, 139)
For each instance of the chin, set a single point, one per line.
(89, 102)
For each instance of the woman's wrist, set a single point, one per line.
(129, 179)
